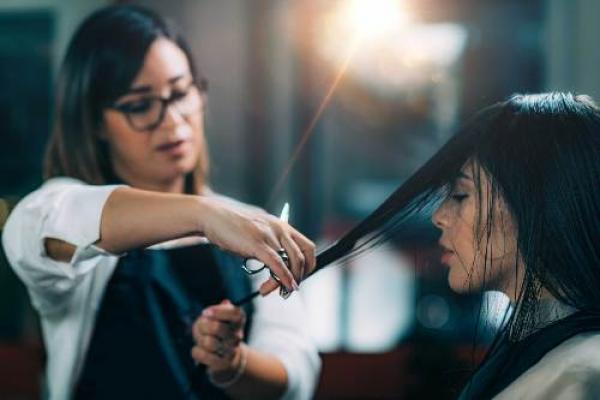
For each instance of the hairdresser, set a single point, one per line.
(121, 249)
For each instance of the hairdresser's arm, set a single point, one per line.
(133, 218)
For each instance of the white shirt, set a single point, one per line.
(569, 371)
(67, 295)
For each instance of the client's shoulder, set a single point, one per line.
(582, 350)
(570, 370)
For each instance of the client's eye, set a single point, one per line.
(458, 197)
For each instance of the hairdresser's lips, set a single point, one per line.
(174, 148)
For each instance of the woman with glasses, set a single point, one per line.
(120, 249)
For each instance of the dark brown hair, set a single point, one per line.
(102, 59)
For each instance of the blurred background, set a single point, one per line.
(330, 105)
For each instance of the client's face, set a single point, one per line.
(478, 240)
(152, 145)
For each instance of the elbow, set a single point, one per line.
(10, 239)
(59, 250)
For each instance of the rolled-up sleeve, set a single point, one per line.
(279, 328)
(64, 209)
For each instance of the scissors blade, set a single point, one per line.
(285, 216)
(285, 213)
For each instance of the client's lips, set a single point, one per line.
(446, 253)
(445, 258)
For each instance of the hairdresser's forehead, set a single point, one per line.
(163, 62)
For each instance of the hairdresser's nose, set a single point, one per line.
(440, 216)
(172, 118)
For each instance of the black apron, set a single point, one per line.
(141, 344)
(509, 360)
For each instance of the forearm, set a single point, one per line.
(264, 378)
(134, 218)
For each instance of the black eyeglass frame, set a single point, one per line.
(164, 103)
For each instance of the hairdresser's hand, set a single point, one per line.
(256, 234)
(218, 334)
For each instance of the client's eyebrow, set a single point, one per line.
(148, 88)
(463, 175)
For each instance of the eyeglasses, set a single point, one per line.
(147, 113)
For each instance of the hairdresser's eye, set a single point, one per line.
(136, 107)
(177, 95)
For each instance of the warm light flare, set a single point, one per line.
(374, 17)
(384, 44)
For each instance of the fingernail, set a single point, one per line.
(208, 312)
(295, 285)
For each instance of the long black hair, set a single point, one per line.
(103, 58)
(541, 154)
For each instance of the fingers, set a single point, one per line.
(254, 234)
(276, 264)
(268, 286)
(226, 312)
(257, 235)
(296, 257)
(300, 251)
(309, 251)
(222, 320)
(218, 334)
(215, 346)
(226, 332)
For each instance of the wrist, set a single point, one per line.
(225, 378)
(201, 210)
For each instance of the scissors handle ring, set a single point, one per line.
(283, 292)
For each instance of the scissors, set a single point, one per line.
(253, 266)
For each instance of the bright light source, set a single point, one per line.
(373, 17)
(385, 46)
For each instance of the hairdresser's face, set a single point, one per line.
(161, 156)
(478, 236)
